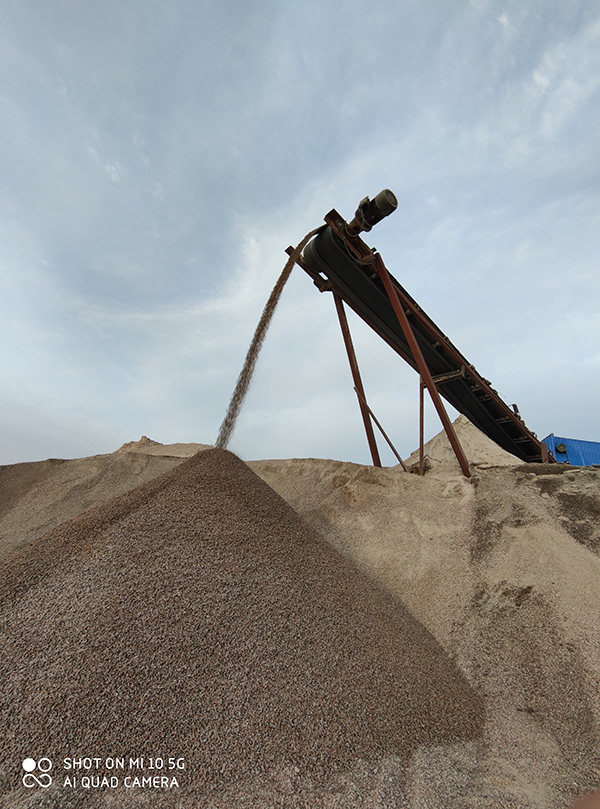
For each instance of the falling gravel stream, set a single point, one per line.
(245, 377)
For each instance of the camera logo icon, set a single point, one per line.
(41, 768)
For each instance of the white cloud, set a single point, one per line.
(94, 155)
(115, 171)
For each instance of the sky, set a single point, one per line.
(156, 159)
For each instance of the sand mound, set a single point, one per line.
(504, 570)
(146, 446)
(198, 616)
(478, 448)
(36, 497)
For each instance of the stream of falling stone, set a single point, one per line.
(245, 377)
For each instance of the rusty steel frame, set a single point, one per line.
(365, 410)
(421, 426)
(365, 255)
(358, 385)
(424, 371)
(382, 431)
(404, 307)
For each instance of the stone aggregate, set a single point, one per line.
(198, 616)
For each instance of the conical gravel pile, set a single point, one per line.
(198, 617)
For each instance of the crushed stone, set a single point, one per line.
(198, 616)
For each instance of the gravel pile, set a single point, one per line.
(198, 616)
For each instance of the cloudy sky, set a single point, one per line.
(156, 159)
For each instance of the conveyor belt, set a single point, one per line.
(328, 257)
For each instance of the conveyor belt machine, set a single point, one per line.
(338, 260)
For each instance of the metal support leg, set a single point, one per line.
(339, 305)
(421, 364)
(382, 431)
(421, 425)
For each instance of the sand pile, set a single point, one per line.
(36, 497)
(504, 570)
(199, 617)
(479, 449)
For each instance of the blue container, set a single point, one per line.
(573, 451)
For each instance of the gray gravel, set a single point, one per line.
(198, 616)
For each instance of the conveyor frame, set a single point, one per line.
(343, 263)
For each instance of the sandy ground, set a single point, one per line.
(503, 571)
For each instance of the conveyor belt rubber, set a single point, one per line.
(357, 284)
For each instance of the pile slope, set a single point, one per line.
(198, 616)
(480, 450)
(36, 497)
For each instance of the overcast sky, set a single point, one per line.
(156, 159)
